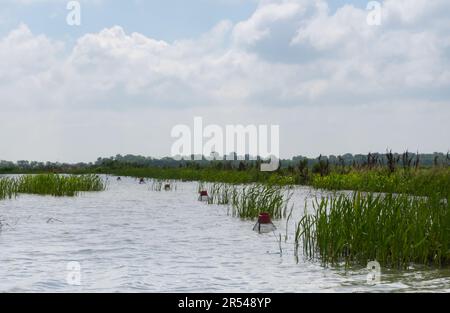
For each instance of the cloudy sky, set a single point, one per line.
(132, 70)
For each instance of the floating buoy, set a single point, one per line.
(264, 224)
(167, 187)
(203, 196)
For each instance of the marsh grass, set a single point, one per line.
(286, 235)
(253, 200)
(395, 230)
(163, 185)
(8, 188)
(415, 182)
(222, 194)
(248, 201)
(210, 175)
(50, 184)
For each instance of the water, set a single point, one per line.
(132, 239)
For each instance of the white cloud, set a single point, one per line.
(28, 69)
(258, 25)
(326, 31)
(229, 63)
(289, 55)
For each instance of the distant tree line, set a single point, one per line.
(301, 164)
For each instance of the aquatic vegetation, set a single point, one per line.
(8, 188)
(395, 230)
(286, 236)
(416, 174)
(50, 184)
(157, 185)
(421, 182)
(370, 177)
(222, 194)
(161, 184)
(253, 200)
(248, 201)
(203, 174)
(59, 185)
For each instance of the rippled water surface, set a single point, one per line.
(132, 239)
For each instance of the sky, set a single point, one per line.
(119, 82)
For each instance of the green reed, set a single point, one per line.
(210, 175)
(395, 230)
(59, 185)
(50, 184)
(161, 184)
(8, 188)
(222, 194)
(421, 182)
(417, 181)
(247, 202)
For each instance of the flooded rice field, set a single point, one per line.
(130, 238)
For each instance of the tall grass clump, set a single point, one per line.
(8, 188)
(253, 200)
(161, 184)
(59, 185)
(395, 230)
(222, 194)
(419, 182)
(248, 201)
(210, 175)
